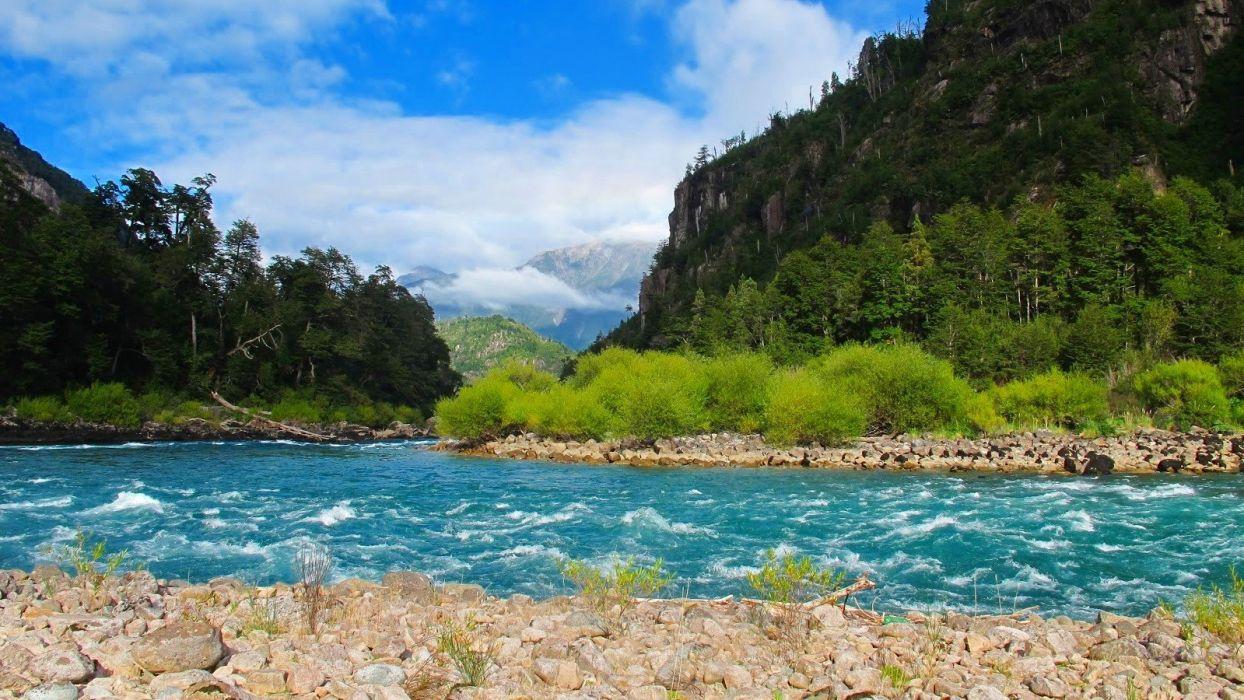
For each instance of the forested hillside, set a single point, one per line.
(136, 286)
(480, 343)
(1017, 186)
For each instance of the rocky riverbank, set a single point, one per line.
(17, 431)
(138, 637)
(1141, 452)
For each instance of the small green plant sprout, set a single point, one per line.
(1220, 611)
(788, 580)
(457, 640)
(616, 587)
(896, 676)
(90, 559)
(263, 617)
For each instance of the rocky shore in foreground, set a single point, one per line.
(138, 637)
(1142, 452)
(17, 431)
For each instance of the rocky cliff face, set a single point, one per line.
(1174, 67)
(42, 180)
(993, 100)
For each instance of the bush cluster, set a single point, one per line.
(115, 404)
(833, 398)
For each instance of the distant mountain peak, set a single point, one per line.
(598, 265)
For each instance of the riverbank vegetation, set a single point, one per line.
(832, 398)
(135, 294)
(115, 404)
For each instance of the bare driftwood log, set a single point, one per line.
(863, 583)
(292, 430)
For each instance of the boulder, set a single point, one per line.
(180, 646)
(380, 674)
(586, 624)
(52, 691)
(411, 585)
(304, 678)
(559, 673)
(63, 666)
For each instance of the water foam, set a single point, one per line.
(130, 500)
(937, 523)
(1081, 521)
(60, 502)
(648, 517)
(337, 514)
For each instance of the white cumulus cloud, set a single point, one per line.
(233, 87)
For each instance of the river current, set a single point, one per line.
(982, 542)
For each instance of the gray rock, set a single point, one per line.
(380, 674)
(986, 692)
(52, 691)
(180, 646)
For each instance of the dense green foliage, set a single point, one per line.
(1053, 399)
(833, 398)
(114, 404)
(136, 289)
(479, 343)
(1009, 188)
(1114, 275)
(1184, 393)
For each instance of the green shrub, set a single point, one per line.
(589, 367)
(1231, 372)
(790, 580)
(566, 412)
(297, 408)
(802, 409)
(736, 391)
(615, 589)
(478, 411)
(1053, 399)
(904, 389)
(155, 401)
(654, 395)
(105, 403)
(1183, 393)
(1220, 611)
(408, 414)
(45, 409)
(493, 404)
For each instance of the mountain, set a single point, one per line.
(477, 344)
(913, 194)
(600, 281)
(607, 266)
(423, 276)
(44, 181)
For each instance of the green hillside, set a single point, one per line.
(479, 343)
(1016, 186)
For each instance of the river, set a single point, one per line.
(982, 542)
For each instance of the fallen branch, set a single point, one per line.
(292, 430)
(863, 583)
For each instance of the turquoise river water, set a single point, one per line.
(967, 541)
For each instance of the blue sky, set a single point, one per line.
(462, 134)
